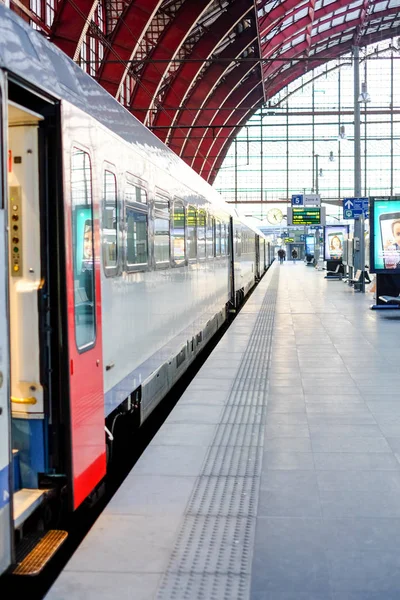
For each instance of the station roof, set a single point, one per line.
(194, 71)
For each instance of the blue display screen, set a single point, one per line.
(385, 235)
(310, 244)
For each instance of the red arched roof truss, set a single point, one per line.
(124, 40)
(227, 102)
(195, 70)
(232, 89)
(203, 49)
(204, 88)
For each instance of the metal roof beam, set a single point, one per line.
(186, 75)
(204, 88)
(278, 82)
(168, 45)
(71, 24)
(225, 148)
(125, 39)
(267, 22)
(367, 4)
(242, 94)
(295, 51)
(253, 95)
(217, 99)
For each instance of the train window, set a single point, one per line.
(110, 224)
(238, 243)
(191, 232)
(218, 228)
(83, 249)
(201, 235)
(178, 232)
(224, 241)
(161, 231)
(134, 194)
(136, 238)
(209, 237)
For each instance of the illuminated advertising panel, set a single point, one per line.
(334, 237)
(385, 235)
(310, 242)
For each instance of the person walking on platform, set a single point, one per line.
(294, 255)
(281, 255)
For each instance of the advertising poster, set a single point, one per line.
(385, 236)
(335, 235)
(83, 239)
(310, 241)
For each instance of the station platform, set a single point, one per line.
(277, 475)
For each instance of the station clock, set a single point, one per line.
(274, 216)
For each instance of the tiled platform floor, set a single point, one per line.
(309, 508)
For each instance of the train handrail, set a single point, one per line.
(29, 400)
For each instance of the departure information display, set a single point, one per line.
(306, 216)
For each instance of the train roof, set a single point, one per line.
(27, 54)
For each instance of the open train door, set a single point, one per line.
(5, 446)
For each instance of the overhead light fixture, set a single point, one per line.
(342, 133)
(364, 96)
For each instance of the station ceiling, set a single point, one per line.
(194, 71)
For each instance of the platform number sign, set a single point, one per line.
(297, 200)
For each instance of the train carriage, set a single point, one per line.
(117, 265)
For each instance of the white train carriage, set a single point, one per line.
(117, 265)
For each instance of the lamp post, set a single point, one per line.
(318, 174)
(359, 257)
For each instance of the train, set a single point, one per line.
(118, 264)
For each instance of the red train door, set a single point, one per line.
(88, 457)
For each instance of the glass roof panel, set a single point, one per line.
(287, 21)
(353, 15)
(324, 26)
(302, 13)
(342, 19)
(299, 39)
(380, 6)
(285, 47)
(355, 4)
(338, 21)
(339, 11)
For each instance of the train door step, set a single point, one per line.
(25, 502)
(35, 551)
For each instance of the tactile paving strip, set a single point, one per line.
(212, 556)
